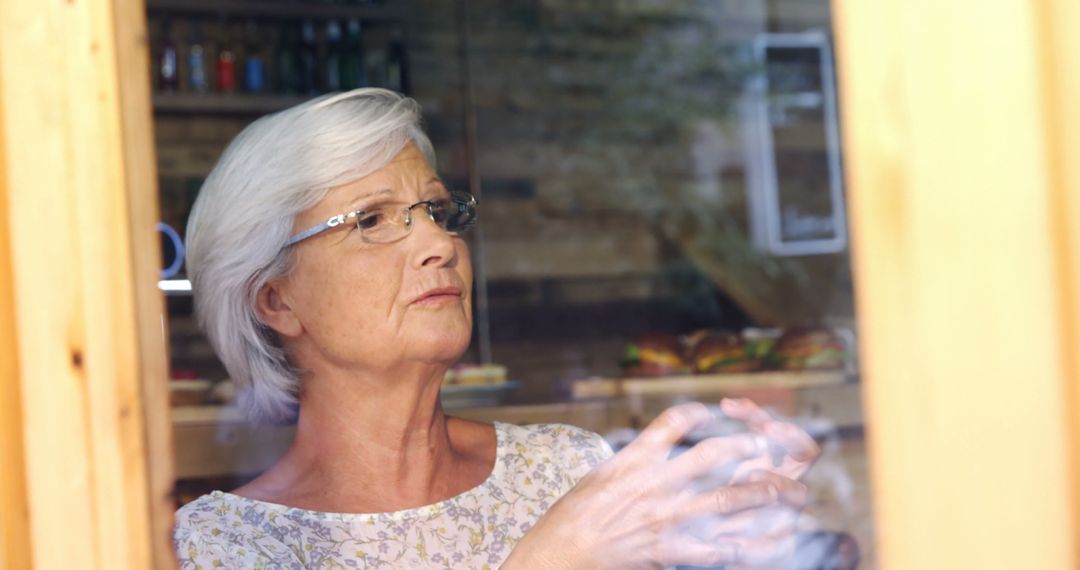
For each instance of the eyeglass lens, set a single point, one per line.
(454, 215)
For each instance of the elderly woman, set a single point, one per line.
(331, 277)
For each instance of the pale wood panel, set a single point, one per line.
(58, 487)
(962, 293)
(1061, 74)
(132, 52)
(73, 288)
(14, 509)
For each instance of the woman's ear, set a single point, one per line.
(272, 305)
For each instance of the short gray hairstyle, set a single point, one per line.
(277, 167)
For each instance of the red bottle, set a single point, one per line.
(226, 71)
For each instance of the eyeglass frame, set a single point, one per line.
(458, 198)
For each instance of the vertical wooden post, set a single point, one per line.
(78, 263)
(140, 164)
(961, 140)
(14, 508)
(1060, 21)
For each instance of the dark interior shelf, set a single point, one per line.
(279, 9)
(223, 104)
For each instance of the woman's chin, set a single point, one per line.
(445, 349)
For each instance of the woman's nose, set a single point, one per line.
(432, 244)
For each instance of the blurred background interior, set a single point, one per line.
(662, 210)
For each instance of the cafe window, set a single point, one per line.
(661, 222)
(662, 213)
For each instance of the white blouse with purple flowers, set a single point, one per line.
(534, 466)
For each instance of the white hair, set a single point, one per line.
(277, 167)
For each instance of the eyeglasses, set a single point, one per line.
(386, 224)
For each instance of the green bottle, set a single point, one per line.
(353, 71)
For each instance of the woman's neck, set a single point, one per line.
(367, 445)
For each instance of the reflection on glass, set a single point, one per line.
(628, 264)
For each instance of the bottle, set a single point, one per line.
(198, 81)
(226, 65)
(353, 69)
(254, 61)
(332, 80)
(287, 70)
(309, 60)
(168, 73)
(397, 65)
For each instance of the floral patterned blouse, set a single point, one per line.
(534, 466)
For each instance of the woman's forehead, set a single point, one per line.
(355, 196)
(406, 173)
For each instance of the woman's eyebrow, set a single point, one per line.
(366, 195)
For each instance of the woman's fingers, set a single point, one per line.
(711, 456)
(762, 552)
(776, 460)
(767, 552)
(767, 521)
(793, 450)
(773, 550)
(731, 499)
(688, 551)
(800, 447)
(668, 429)
(746, 411)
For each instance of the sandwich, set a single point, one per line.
(654, 355)
(810, 349)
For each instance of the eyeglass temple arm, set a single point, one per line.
(316, 230)
(461, 198)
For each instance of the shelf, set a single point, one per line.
(216, 441)
(705, 383)
(454, 396)
(203, 415)
(223, 104)
(280, 9)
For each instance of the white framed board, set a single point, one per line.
(795, 181)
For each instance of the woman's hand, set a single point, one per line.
(641, 509)
(792, 451)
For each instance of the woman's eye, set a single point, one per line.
(439, 212)
(370, 220)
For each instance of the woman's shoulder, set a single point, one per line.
(554, 434)
(570, 447)
(211, 506)
(206, 517)
(219, 529)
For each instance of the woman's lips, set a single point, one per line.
(438, 296)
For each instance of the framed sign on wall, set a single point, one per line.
(794, 176)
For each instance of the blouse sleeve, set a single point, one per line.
(582, 451)
(211, 542)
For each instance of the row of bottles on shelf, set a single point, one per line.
(287, 57)
(336, 2)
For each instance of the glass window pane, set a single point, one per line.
(662, 220)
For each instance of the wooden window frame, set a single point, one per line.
(961, 126)
(961, 130)
(87, 476)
